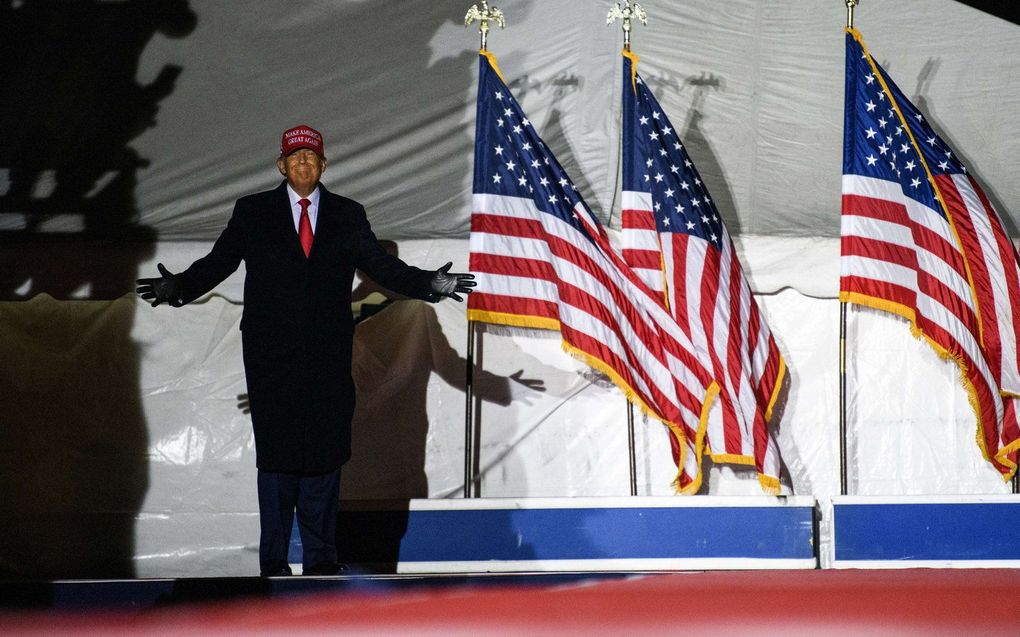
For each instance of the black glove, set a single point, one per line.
(446, 283)
(166, 289)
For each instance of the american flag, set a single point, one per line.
(921, 240)
(676, 239)
(543, 260)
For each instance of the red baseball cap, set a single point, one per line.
(301, 136)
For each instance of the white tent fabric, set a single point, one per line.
(756, 88)
(138, 413)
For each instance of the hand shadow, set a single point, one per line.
(501, 398)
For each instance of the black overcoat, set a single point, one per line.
(297, 327)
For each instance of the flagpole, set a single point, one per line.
(842, 399)
(850, 5)
(472, 488)
(630, 448)
(469, 425)
(625, 14)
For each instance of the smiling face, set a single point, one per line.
(302, 168)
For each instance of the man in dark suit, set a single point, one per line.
(301, 245)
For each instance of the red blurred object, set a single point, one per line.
(822, 602)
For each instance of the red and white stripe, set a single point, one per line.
(711, 301)
(992, 261)
(533, 269)
(640, 240)
(905, 256)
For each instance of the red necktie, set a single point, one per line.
(305, 227)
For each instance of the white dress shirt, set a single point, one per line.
(295, 207)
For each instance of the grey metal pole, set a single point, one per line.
(842, 399)
(630, 448)
(469, 426)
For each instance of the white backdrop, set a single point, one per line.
(756, 87)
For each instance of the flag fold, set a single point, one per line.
(675, 239)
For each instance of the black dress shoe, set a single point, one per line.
(326, 568)
(282, 571)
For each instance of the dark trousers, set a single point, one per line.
(316, 498)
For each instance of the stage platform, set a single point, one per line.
(585, 566)
(577, 534)
(974, 531)
(142, 594)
